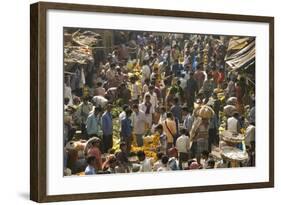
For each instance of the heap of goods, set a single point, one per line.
(150, 145)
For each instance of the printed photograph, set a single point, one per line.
(146, 101)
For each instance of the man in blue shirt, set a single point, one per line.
(177, 68)
(176, 109)
(126, 129)
(107, 128)
(93, 123)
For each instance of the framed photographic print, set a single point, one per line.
(135, 102)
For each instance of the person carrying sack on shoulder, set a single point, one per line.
(170, 128)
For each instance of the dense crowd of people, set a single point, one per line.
(152, 84)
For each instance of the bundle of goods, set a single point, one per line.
(206, 112)
(77, 147)
(90, 142)
(100, 101)
(229, 110)
(75, 155)
(232, 138)
(231, 101)
(218, 90)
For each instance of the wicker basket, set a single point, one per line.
(232, 139)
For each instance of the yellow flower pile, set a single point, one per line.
(116, 144)
(150, 144)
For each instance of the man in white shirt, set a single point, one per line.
(139, 122)
(183, 146)
(148, 109)
(233, 124)
(153, 96)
